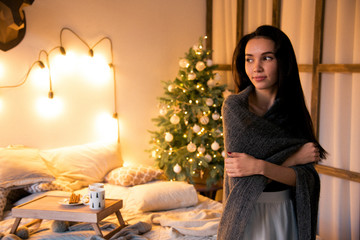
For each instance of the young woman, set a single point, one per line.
(271, 189)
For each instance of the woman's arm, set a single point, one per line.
(306, 154)
(242, 165)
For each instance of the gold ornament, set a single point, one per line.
(168, 137)
(177, 168)
(191, 147)
(204, 120)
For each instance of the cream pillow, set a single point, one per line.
(81, 165)
(21, 167)
(129, 176)
(162, 195)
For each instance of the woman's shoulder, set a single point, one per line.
(238, 98)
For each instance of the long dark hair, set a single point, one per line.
(289, 86)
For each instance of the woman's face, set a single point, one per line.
(261, 63)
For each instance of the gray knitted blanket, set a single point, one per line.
(263, 138)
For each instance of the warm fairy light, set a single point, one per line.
(2, 70)
(96, 69)
(127, 163)
(49, 108)
(61, 64)
(40, 77)
(106, 127)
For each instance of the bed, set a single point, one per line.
(173, 210)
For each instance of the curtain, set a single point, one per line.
(339, 121)
(339, 129)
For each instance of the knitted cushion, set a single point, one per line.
(3, 198)
(43, 187)
(129, 176)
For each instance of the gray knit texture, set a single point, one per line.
(263, 138)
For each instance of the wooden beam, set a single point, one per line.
(342, 68)
(276, 11)
(305, 68)
(317, 53)
(240, 20)
(209, 23)
(224, 67)
(338, 172)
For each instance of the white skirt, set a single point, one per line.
(273, 218)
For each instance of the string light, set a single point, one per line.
(49, 107)
(1, 70)
(102, 66)
(106, 126)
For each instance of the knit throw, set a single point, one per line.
(263, 138)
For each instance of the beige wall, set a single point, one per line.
(148, 39)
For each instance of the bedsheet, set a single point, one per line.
(196, 222)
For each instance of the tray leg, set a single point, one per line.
(97, 229)
(15, 225)
(122, 225)
(120, 219)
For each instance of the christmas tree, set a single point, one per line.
(188, 144)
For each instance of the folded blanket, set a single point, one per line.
(132, 232)
(264, 138)
(197, 223)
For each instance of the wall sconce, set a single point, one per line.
(62, 49)
(112, 67)
(42, 65)
(91, 53)
(44, 62)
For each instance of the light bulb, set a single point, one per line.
(49, 108)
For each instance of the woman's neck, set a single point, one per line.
(261, 101)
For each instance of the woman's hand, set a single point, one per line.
(242, 165)
(308, 153)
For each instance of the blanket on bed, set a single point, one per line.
(264, 138)
(130, 232)
(203, 222)
(133, 231)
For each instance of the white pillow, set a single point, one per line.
(163, 195)
(81, 165)
(21, 167)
